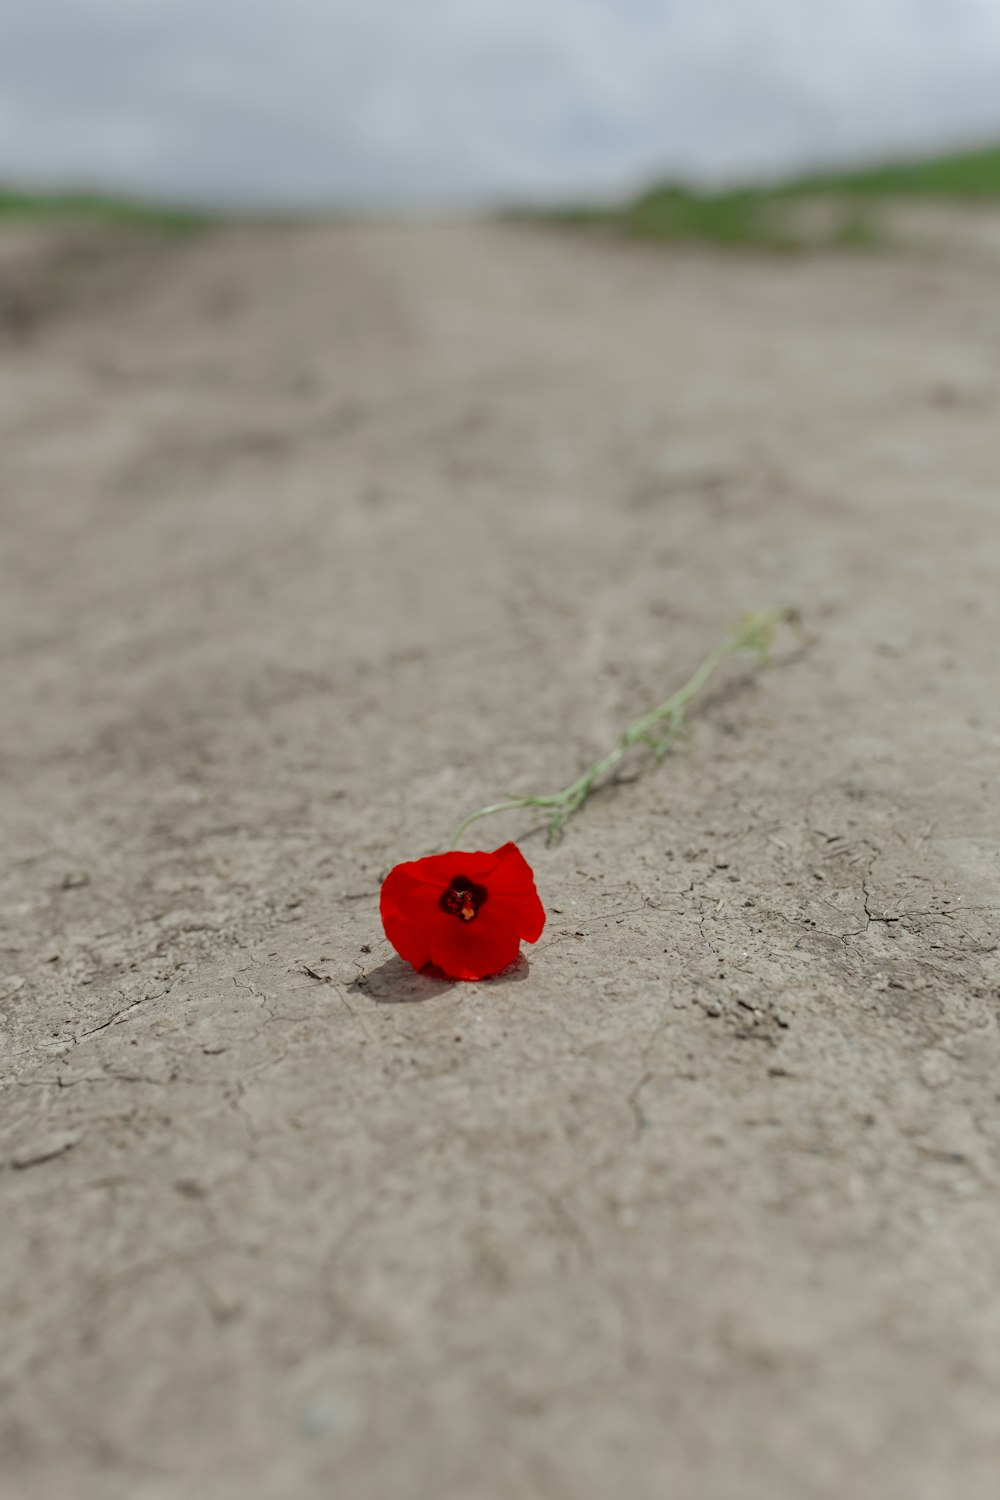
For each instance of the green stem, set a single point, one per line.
(754, 633)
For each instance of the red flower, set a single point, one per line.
(466, 913)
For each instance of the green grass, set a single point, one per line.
(758, 218)
(776, 217)
(768, 218)
(967, 175)
(16, 205)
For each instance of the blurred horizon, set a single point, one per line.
(461, 104)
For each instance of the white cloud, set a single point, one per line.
(327, 101)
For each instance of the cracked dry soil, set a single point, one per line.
(313, 540)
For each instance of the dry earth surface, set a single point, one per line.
(313, 540)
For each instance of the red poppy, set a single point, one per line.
(465, 913)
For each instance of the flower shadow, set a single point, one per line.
(395, 983)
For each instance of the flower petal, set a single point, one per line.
(474, 950)
(512, 891)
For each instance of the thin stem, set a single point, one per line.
(754, 633)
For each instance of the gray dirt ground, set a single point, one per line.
(314, 540)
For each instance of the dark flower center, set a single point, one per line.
(463, 898)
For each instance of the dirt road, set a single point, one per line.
(313, 541)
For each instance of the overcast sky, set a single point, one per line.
(434, 101)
